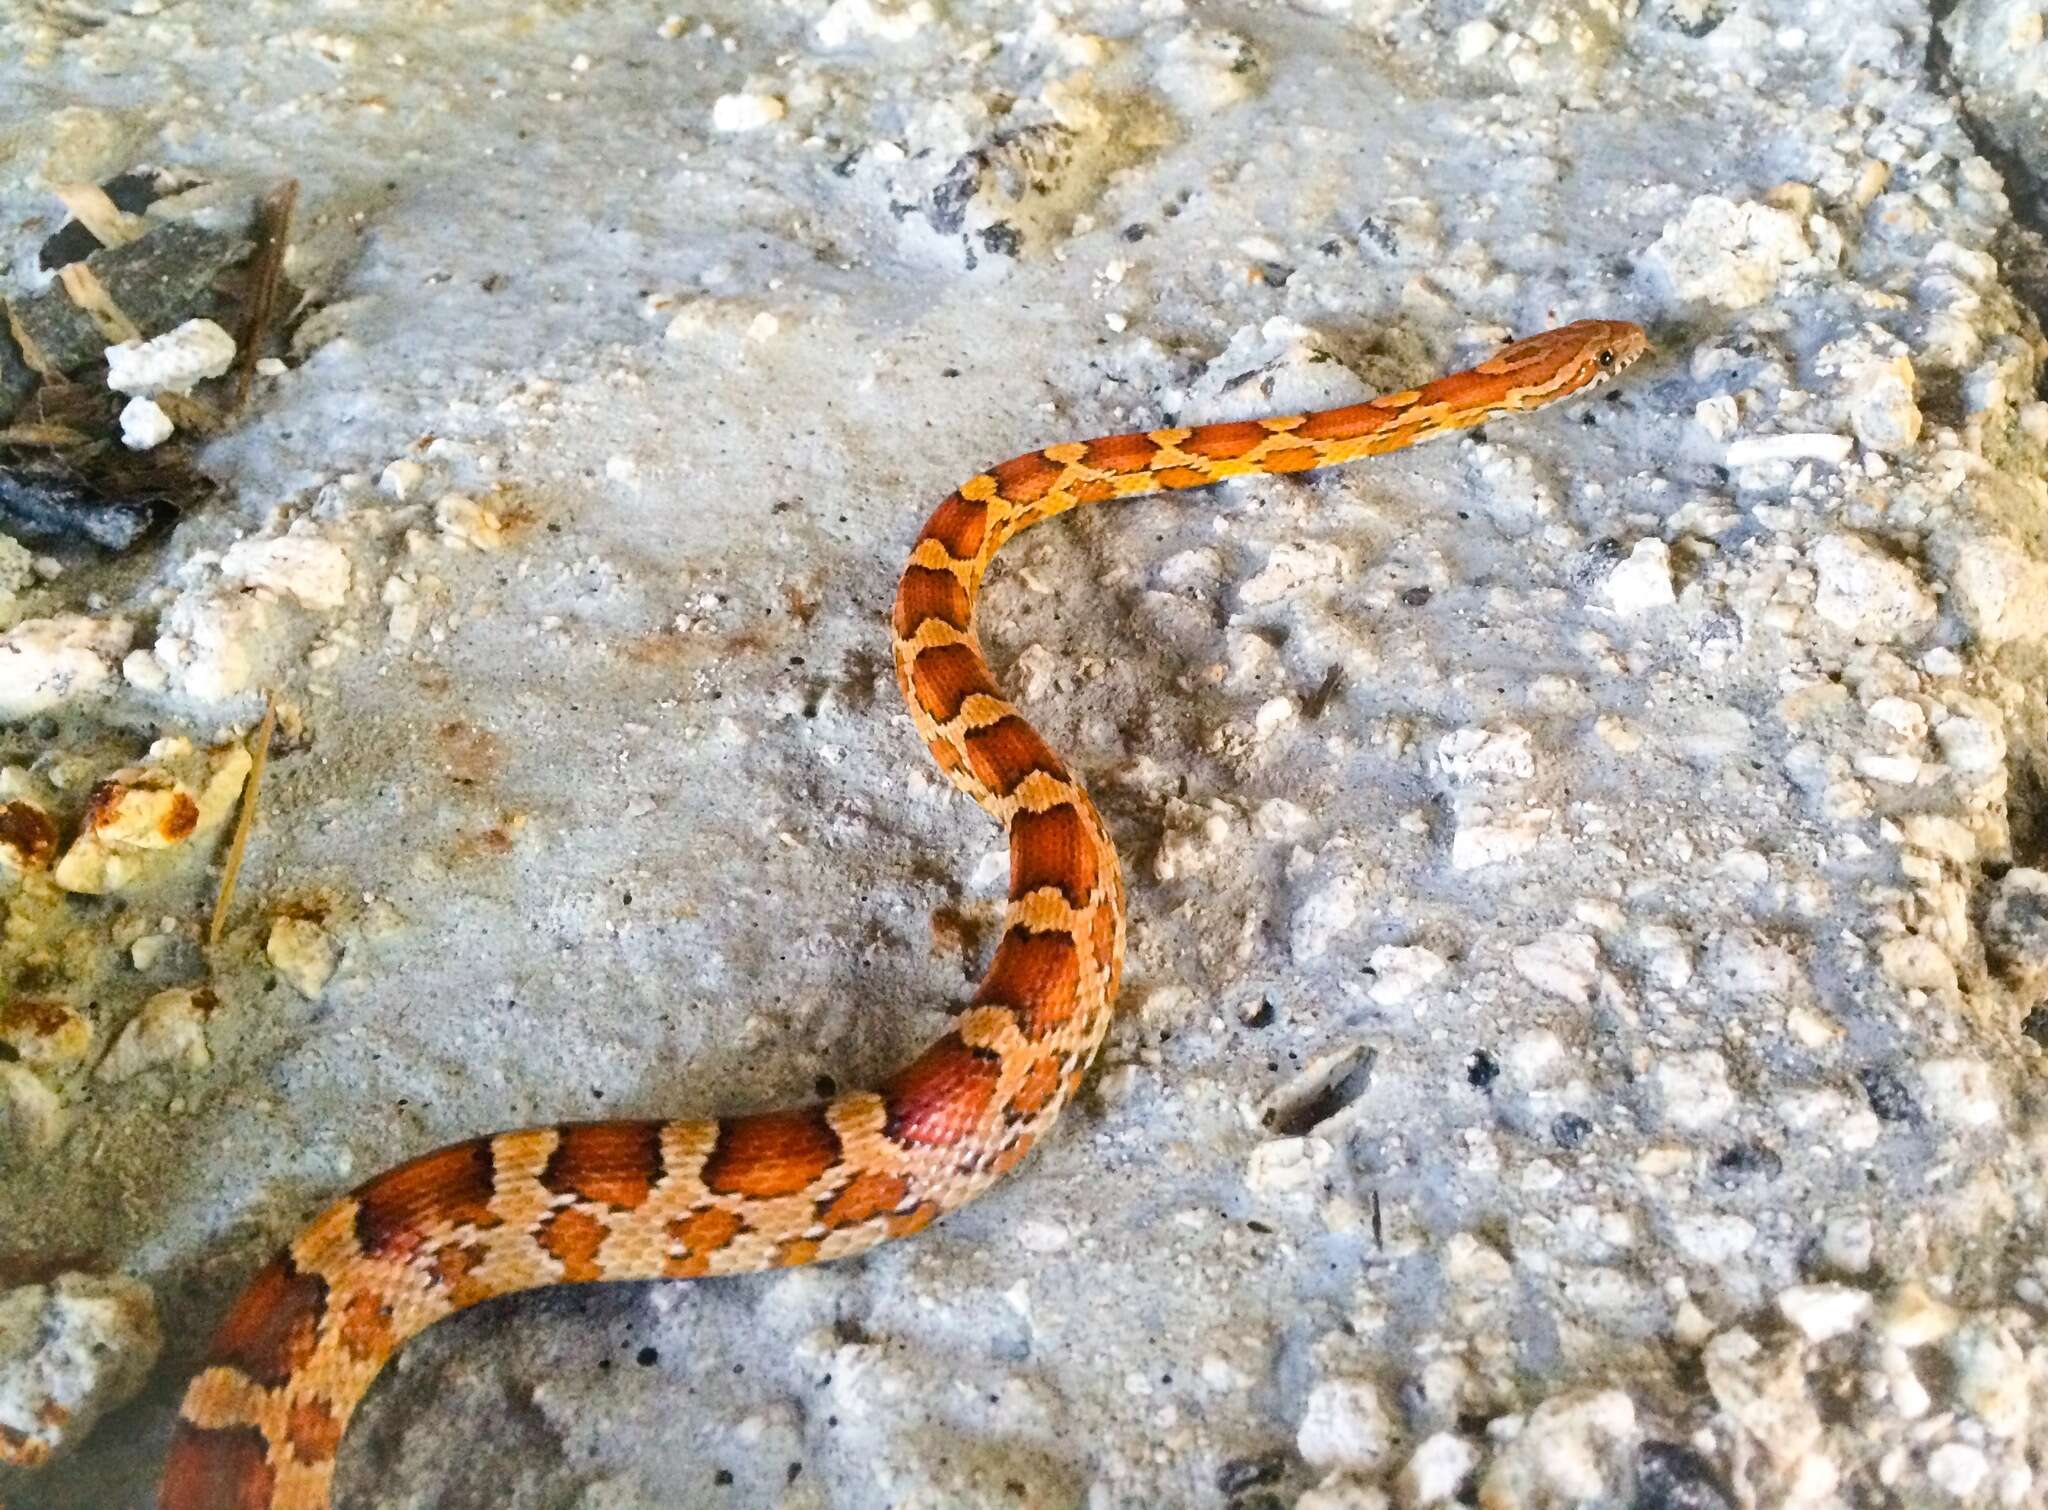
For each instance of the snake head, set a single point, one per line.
(1544, 368)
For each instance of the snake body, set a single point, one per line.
(262, 1422)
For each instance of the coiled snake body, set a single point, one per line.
(262, 1422)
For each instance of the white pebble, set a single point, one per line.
(1747, 965)
(1958, 1467)
(1281, 1167)
(1868, 593)
(1991, 1376)
(1694, 1091)
(1290, 569)
(1399, 973)
(1561, 963)
(746, 112)
(1436, 1469)
(1882, 407)
(70, 1351)
(302, 953)
(1754, 450)
(1490, 839)
(1643, 581)
(1345, 1427)
(1713, 1238)
(1727, 254)
(1913, 1318)
(32, 1115)
(174, 362)
(1962, 1092)
(1719, 416)
(45, 663)
(1823, 1311)
(1042, 1235)
(169, 1030)
(1575, 1449)
(400, 478)
(305, 566)
(1473, 40)
(144, 425)
(1324, 914)
(1475, 755)
(878, 20)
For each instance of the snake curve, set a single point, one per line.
(262, 1422)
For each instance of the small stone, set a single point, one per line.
(1040, 1235)
(1713, 1238)
(2016, 924)
(175, 362)
(169, 1030)
(1576, 1448)
(45, 663)
(144, 672)
(1291, 569)
(1882, 407)
(1473, 40)
(213, 643)
(1718, 416)
(466, 522)
(1694, 1090)
(1323, 915)
(1436, 1470)
(1970, 745)
(302, 953)
(1813, 445)
(1823, 1311)
(1868, 593)
(746, 112)
(1909, 1396)
(401, 479)
(1345, 1427)
(1671, 1477)
(1401, 973)
(1563, 964)
(32, 1115)
(148, 951)
(1913, 1318)
(141, 814)
(42, 1032)
(1486, 839)
(1207, 69)
(874, 20)
(1991, 1376)
(1917, 964)
(70, 1351)
(1643, 581)
(144, 426)
(301, 565)
(1764, 1392)
(1282, 1167)
(1470, 756)
(1729, 255)
(1848, 1244)
(1749, 966)
(1962, 1092)
(1959, 1468)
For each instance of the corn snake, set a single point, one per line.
(262, 1422)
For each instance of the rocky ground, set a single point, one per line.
(1584, 1015)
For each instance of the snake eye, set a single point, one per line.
(1606, 359)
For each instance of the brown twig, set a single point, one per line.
(266, 275)
(244, 821)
